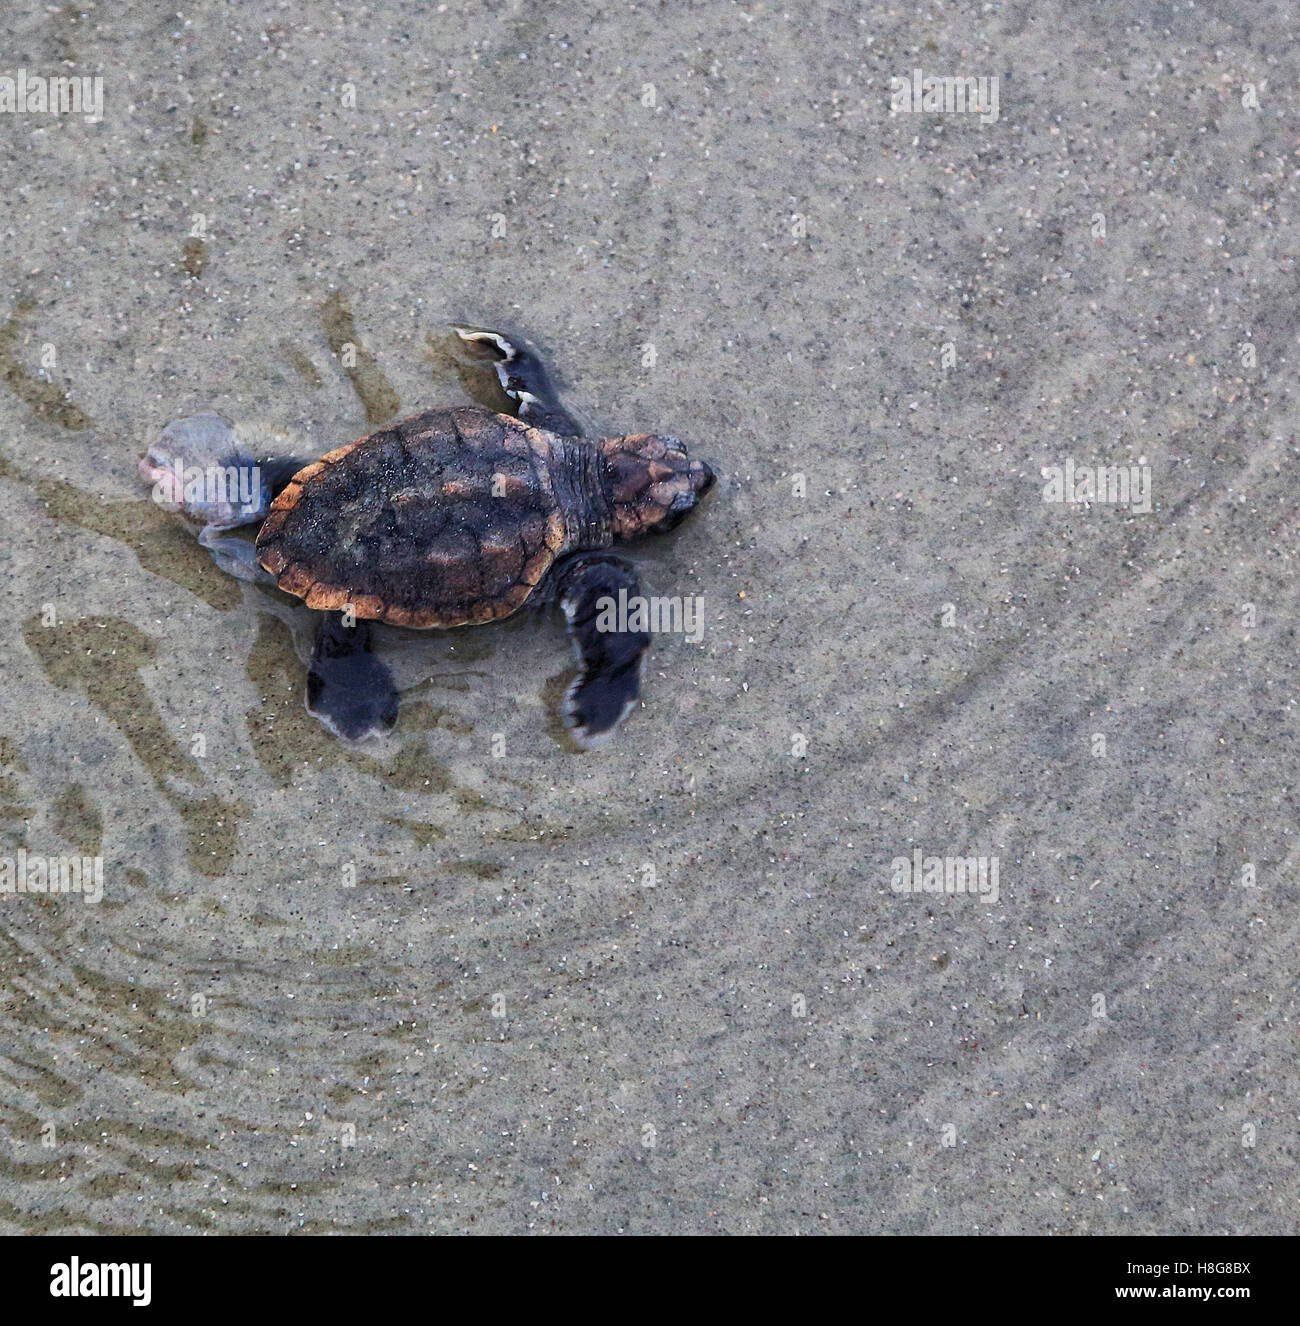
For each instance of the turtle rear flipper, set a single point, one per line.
(610, 684)
(348, 688)
(209, 470)
(236, 556)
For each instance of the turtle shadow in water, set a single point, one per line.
(554, 690)
(285, 736)
(427, 665)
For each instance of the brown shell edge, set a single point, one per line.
(294, 579)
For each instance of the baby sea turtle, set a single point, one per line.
(452, 517)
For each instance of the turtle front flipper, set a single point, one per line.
(592, 588)
(525, 380)
(348, 688)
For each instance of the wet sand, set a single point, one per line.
(668, 986)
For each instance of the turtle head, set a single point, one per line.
(653, 484)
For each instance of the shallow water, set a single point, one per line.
(667, 985)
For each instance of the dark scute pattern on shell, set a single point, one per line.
(408, 517)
